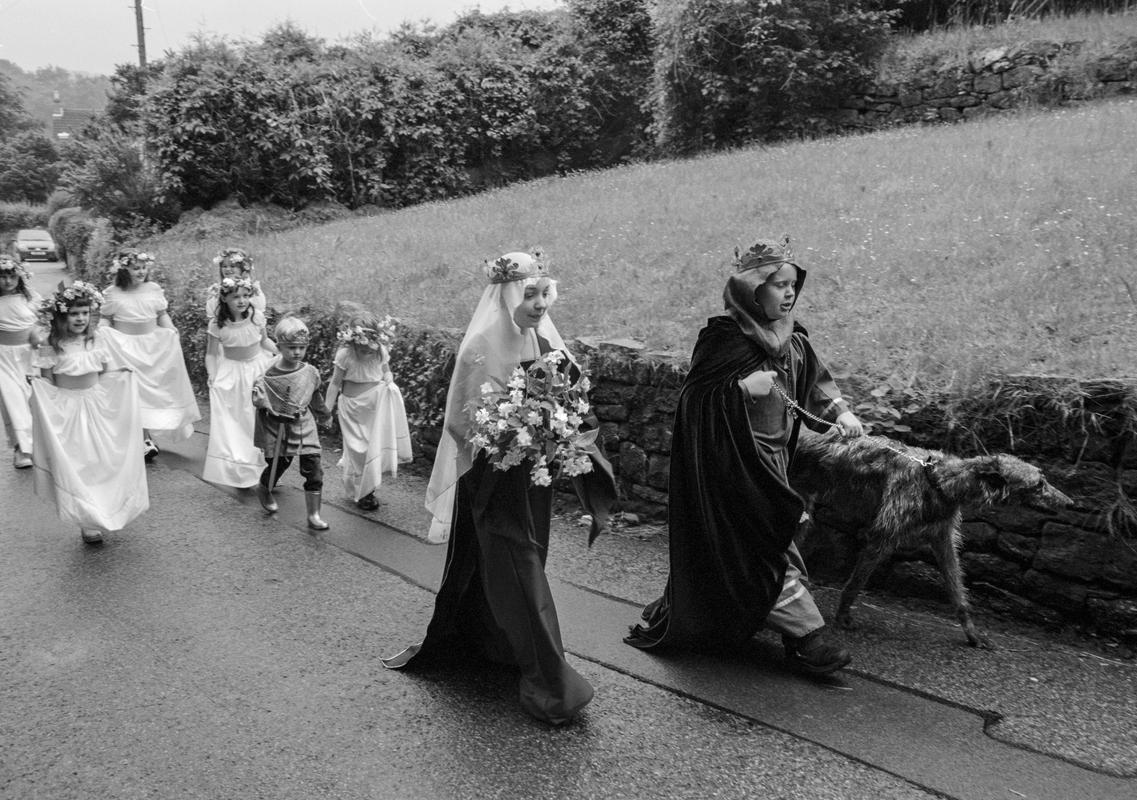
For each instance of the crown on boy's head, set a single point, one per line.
(9, 264)
(764, 252)
(291, 330)
(516, 266)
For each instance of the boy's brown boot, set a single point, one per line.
(312, 501)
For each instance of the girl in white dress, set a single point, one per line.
(373, 420)
(19, 309)
(239, 351)
(141, 336)
(86, 421)
(233, 262)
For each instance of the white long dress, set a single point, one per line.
(169, 408)
(232, 459)
(376, 437)
(88, 453)
(17, 317)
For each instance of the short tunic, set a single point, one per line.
(293, 396)
(88, 454)
(169, 407)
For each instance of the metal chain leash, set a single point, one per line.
(797, 411)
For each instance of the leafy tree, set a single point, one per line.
(109, 174)
(13, 118)
(731, 71)
(616, 39)
(28, 167)
(127, 91)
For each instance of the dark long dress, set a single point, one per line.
(731, 511)
(494, 601)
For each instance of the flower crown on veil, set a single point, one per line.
(508, 268)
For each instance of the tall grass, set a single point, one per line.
(941, 255)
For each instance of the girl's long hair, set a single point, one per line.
(225, 315)
(59, 332)
(122, 278)
(22, 287)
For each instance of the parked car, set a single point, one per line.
(33, 243)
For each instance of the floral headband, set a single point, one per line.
(764, 252)
(510, 267)
(230, 285)
(233, 257)
(369, 338)
(9, 264)
(128, 258)
(63, 299)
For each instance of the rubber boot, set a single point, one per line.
(312, 501)
(268, 502)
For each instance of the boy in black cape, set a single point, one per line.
(731, 513)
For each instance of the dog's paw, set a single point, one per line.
(980, 641)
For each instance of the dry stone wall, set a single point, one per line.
(996, 80)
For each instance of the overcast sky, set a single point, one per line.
(95, 35)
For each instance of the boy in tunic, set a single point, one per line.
(287, 399)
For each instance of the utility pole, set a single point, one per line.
(141, 34)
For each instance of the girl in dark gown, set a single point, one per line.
(494, 601)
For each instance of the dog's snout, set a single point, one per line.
(1051, 497)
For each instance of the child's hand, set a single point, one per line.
(260, 399)
(758, 383)
(851, 427)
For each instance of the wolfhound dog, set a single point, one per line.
(894, 495)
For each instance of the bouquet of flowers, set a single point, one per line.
(536, 415)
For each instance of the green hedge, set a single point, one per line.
(14, 216)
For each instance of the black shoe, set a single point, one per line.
(149, 449)
(816, 653)
(367, 502)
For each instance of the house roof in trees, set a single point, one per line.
(67, 122)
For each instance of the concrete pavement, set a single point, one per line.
(211, 651)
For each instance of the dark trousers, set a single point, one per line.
(310, 469)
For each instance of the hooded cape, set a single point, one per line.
(731, 512)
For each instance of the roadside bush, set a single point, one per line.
(72, 229)
(22, 215)
(733, 71)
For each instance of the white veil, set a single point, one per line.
(492, 346)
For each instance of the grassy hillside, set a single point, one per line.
(937, 254)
